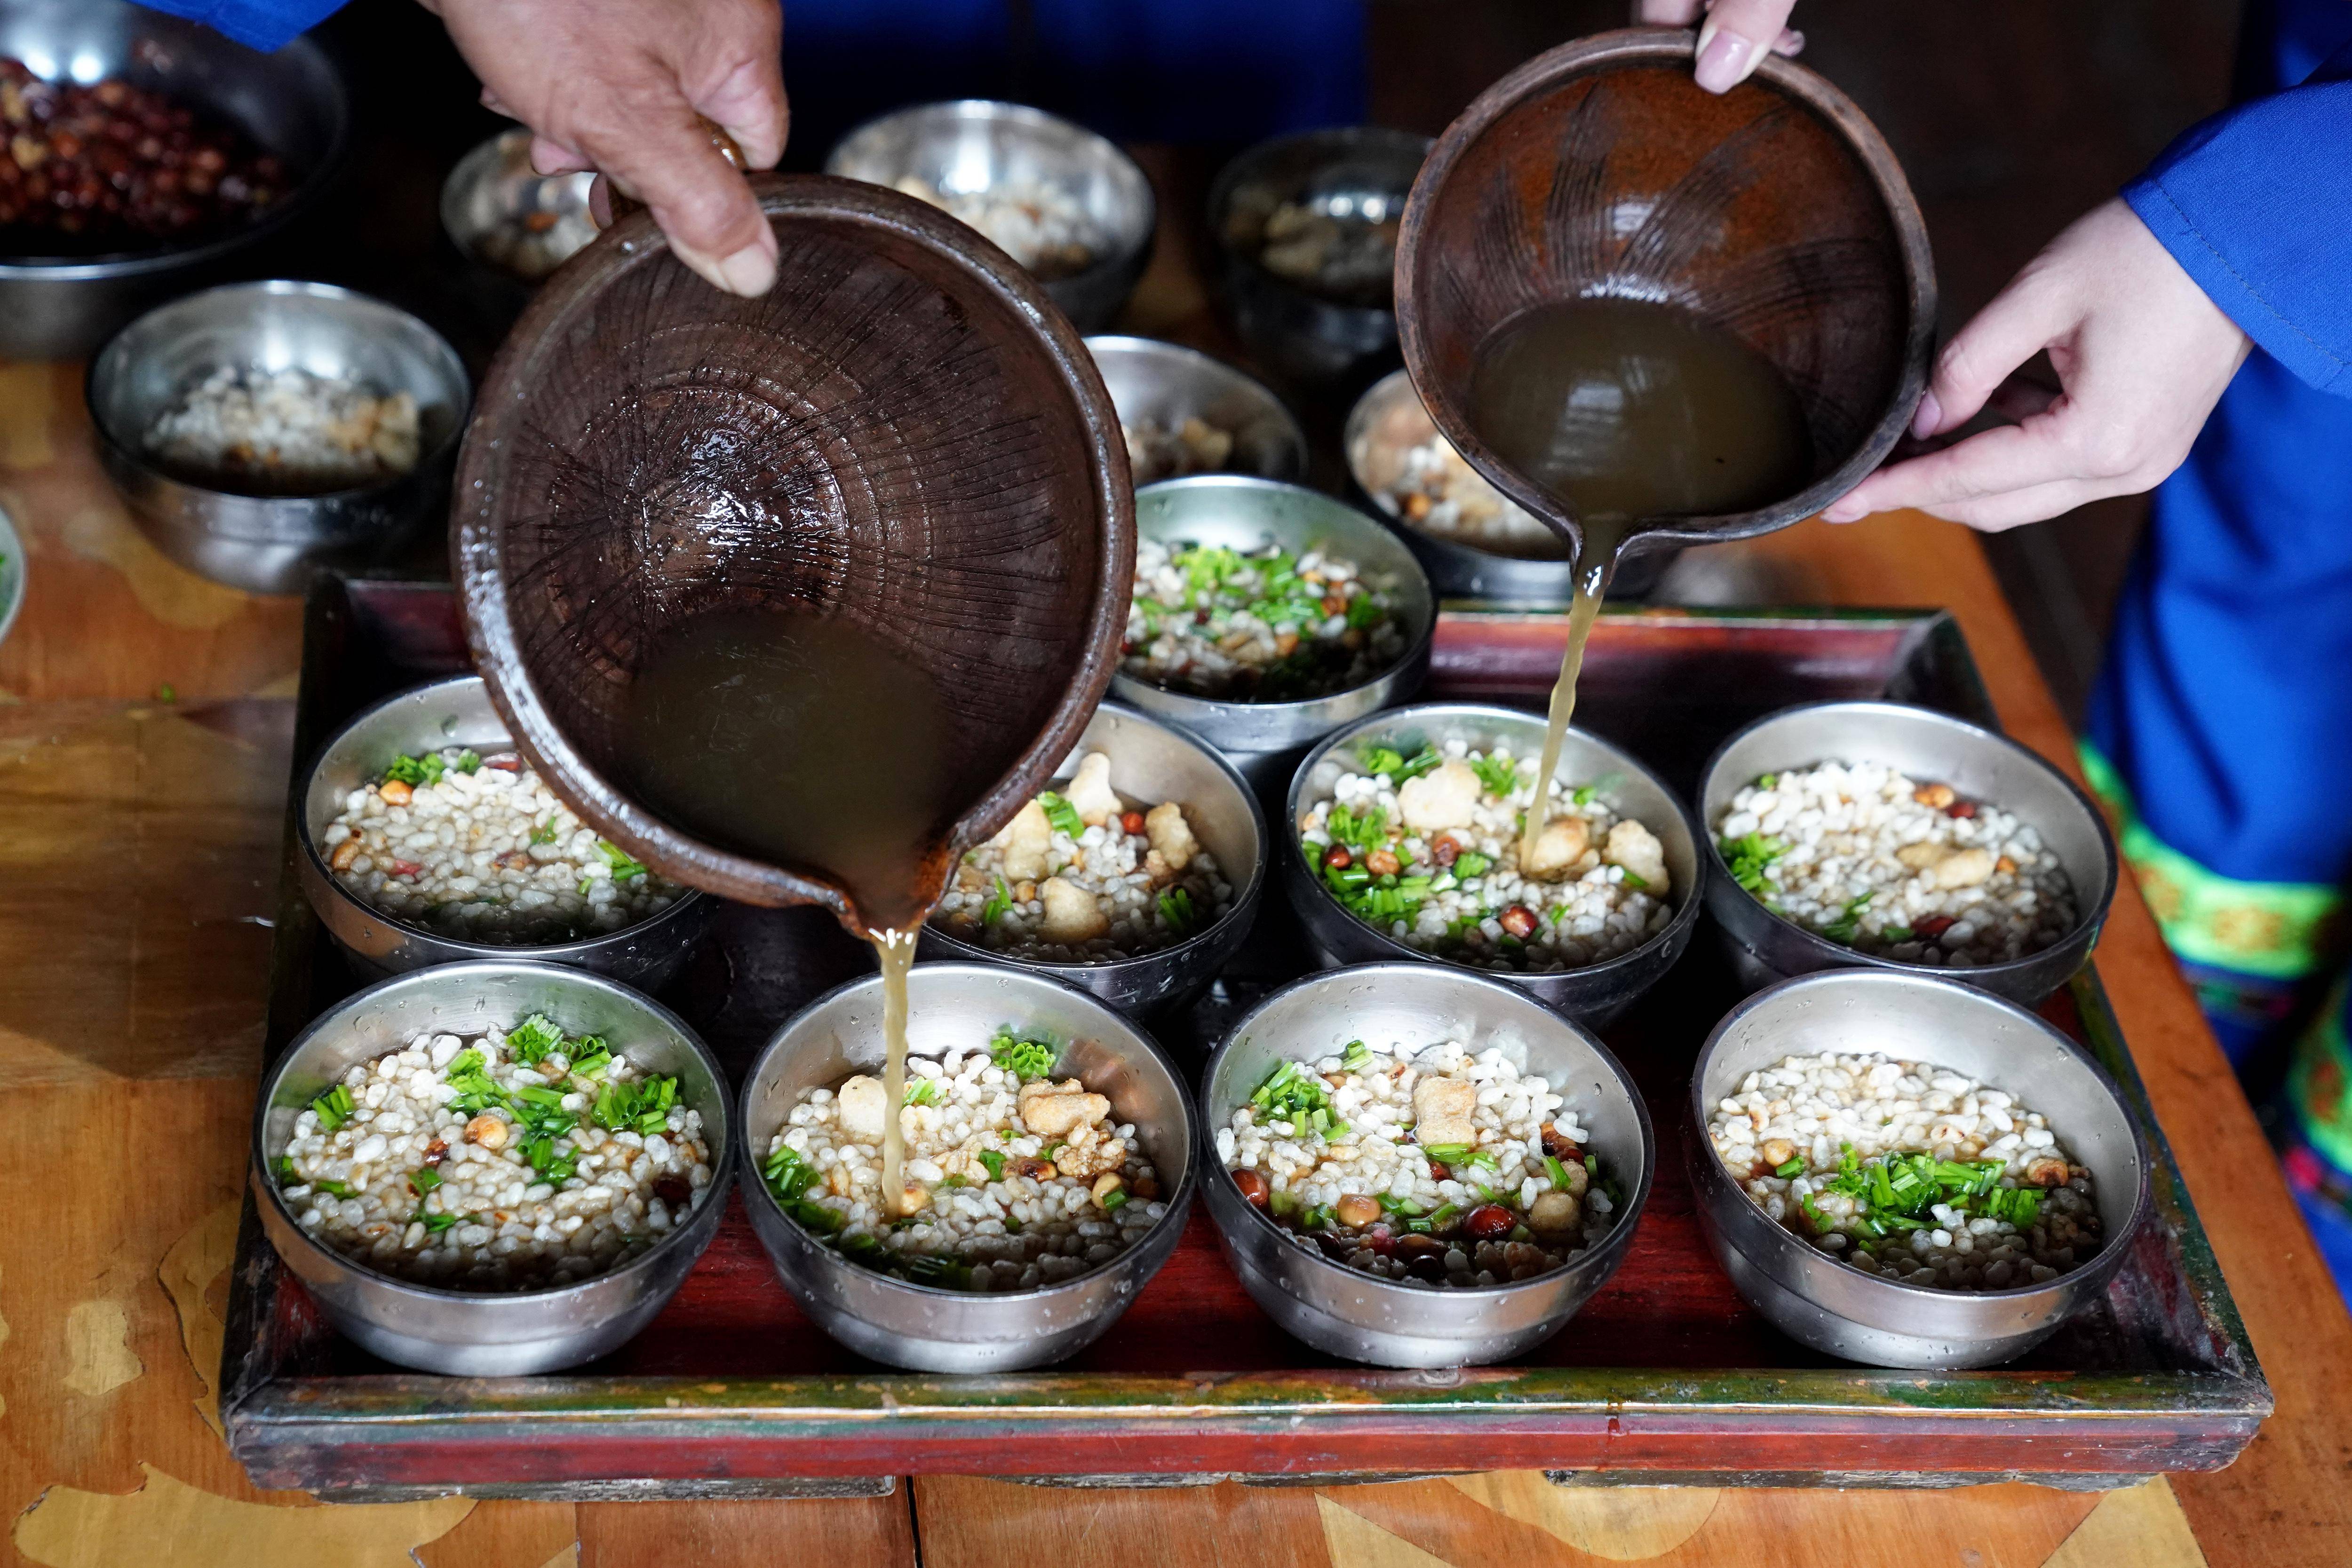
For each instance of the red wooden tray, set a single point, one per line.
(1665, 1376)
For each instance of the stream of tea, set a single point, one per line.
(1628, 412)
(806, 740)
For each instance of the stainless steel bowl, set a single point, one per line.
(1389, 420)
(1264, 740)
(292, 103)
(1151, 762)
(475, 1333)
(1594, 995)
(1151, 381)
(455, 712)
(493, 193)
(12, 573)
(1837, 1308)
(1924, 744)
(1345, 1312)
(952, 1006)
(273, 543)
(1361, 169)
(971, 144)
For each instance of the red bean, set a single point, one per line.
(1520, 920)
(1254, 1187)
(1490, 1222)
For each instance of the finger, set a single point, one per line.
(2033, 504)
(748, 102)
(497, 105)
(714, 223)
(1992, 462)
(1667, 13)
(549, 157)
(600, 202)
(2024, 319)
(1735, 38)
(1790, 43)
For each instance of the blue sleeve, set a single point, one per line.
(258, 23)
(2254, 204)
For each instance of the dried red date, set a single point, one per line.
(111, 166)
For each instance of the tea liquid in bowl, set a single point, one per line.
(806, 740)
(1629, 411)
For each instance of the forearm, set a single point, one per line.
(2253, 205)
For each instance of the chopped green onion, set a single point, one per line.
(788, 1174)
(416, 771)
(1500, 775)
(470, 761)
(998, 905)
(923, 1092)
(534, 1038)
(625, 869)
(333, 1108)
(424, 1180)
(992, 1162)
(545, 834)
(1113, 1200)
(1557, 1172)
(435, 1223)
(1357, 1057)
(1026, 1060)
(1061, 814)
(1790, 1166)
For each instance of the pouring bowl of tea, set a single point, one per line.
(796, 599)
(1653, 315)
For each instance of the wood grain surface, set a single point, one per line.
(137, 850)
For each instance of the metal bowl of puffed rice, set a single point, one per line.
(1343, 1291)
(1784, 1064)
(1879, 835)
(593, 1230)
(426, 839)
(1156, 891)
(1438, 789)
(1213, 647)
(1049, 1140)
(1067, 203)
(260, 433)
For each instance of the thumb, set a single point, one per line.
(700, 201)
(2024, 319)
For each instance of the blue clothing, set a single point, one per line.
(260, 23)
(1178, 71)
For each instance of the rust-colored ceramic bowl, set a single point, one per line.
(905, 431)
(1775, 211)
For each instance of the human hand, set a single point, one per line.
(1735, 37)
(2142, 356)
(618, 86)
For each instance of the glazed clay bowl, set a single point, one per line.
(1775, 211)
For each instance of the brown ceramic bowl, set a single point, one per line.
(905, 432)
(1775, 211)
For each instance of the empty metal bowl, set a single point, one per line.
(480, 1334)
(1163, 384)
(269, 543)
(1265, 739)
(973, 145)
(1345, 1312)
(291, 102)
(12, 573)
(1354, 173)
(1151, 762)
(1835, 1308)
(505, 215)
(1929, 747)
(1594, 995)
(958, 1006)
(454, 712)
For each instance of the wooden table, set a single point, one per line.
(145, 722)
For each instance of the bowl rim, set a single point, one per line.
(1178, 1201)
(559, 953)
(1244, 899)
(1565, 565)
(1191, 702)
(324, 171)
(1608, 1249)
(1686, 914)
(2091, 915)
(1143, 346)
(1221, 192)
(1783, 1243)
(102, 372)
(15, 586)
(722, 1171)
(1027, 119)
(1645, 46)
